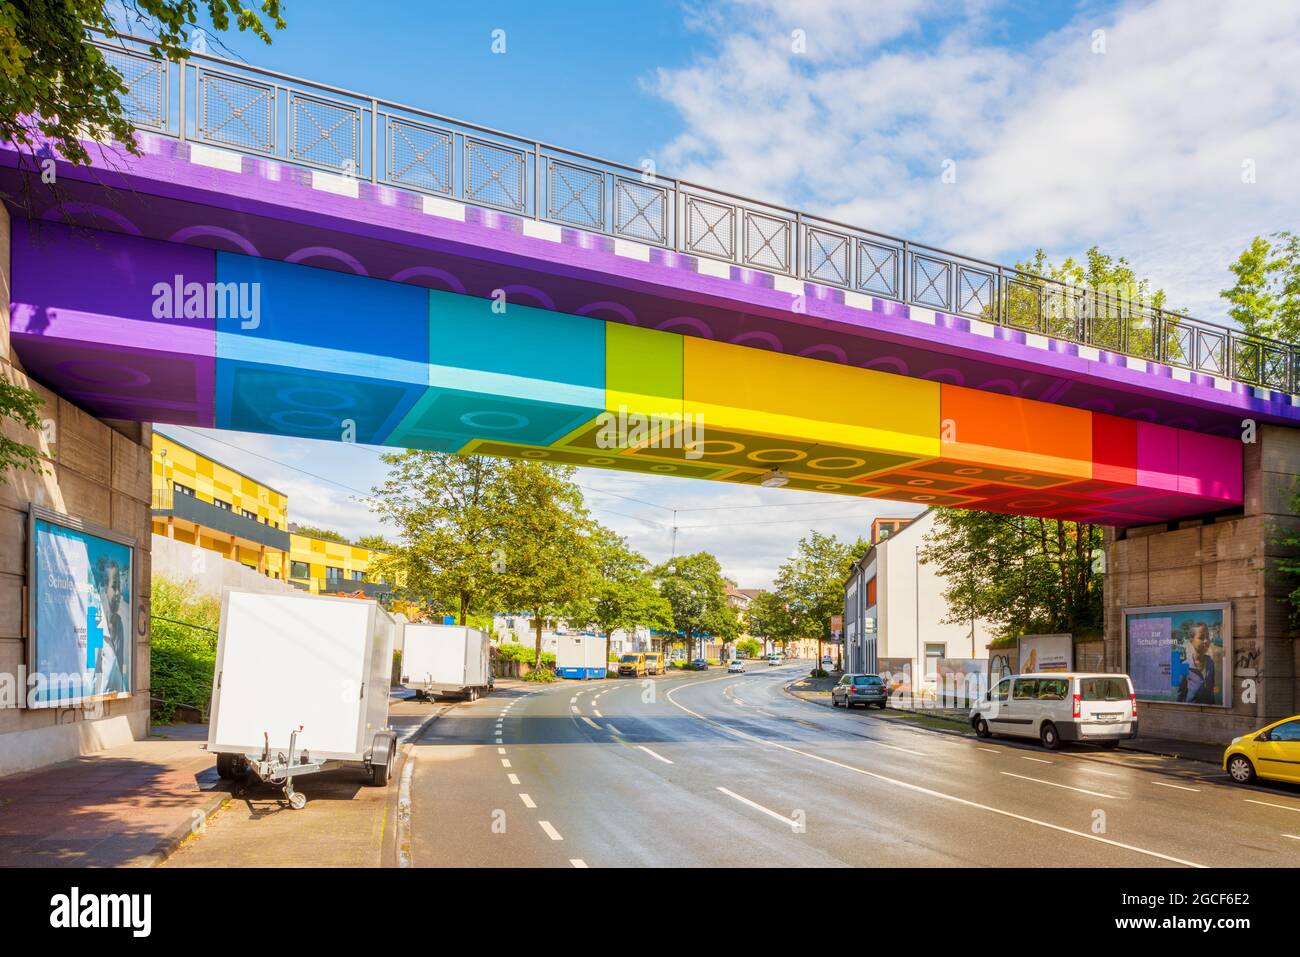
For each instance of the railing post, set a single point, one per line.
(180, 115)
(537, 180)
(798, 246)
(904, 268)
(374, 140)
(1000, 306)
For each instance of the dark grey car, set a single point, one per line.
(860, 689)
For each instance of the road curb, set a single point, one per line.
(180, 835)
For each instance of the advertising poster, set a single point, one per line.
(897, 673)
(82, 619)
(960, 681)
(1045, 653)
(1178, 654)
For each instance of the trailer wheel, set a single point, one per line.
(230, 766)
(379, 775)
(297, 800)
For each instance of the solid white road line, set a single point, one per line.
(919, 789)
(528, 802)
(577, 862)
(512, 778)
(1284, 807)
(404, 814)
(1177, 787)
(758, 807)
(1055, 785)
(1025, 757)
(551, 832)
(590, 722)
(657, 757)
(989, 750)
(1294, 837)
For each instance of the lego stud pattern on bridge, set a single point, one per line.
(334, 355)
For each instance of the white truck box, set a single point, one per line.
(446, 659)
(301, 673)
(580, 656)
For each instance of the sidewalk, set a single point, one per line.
(124, 807)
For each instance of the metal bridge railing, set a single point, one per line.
(265, 113)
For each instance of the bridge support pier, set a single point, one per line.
(1229, 559)
(95, 470)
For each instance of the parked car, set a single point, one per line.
(1272, 753)
(654, 663)
(1059, 706)
(631, 665)
(860, 689)
(828, 663)
(773, 659)
(700, 664)
(735, 666)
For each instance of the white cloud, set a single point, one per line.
(1138, 149)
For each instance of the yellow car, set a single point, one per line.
(1272, 752)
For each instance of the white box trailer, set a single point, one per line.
(580, 656)
(446, 659)
(301, 686)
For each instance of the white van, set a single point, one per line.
(1059, 706)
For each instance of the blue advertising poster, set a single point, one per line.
(1177, 654)
(82, 615)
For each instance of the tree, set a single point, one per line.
(748, 648)
(447, 510)
(549, 558)
(724, 624)
(55, 86)
(1024, 575)
(1266, 298)
(22, 407)
(376, 543)
(810, 584)
(694, 588)
(769, 619)
(623, 594)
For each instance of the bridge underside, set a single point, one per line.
(123, 325)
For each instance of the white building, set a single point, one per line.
(519, 628)
(894, 608)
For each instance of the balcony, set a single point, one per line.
(191, 509)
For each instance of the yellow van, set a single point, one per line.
(654, 663)
(631, 666)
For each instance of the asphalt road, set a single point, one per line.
(714, 769)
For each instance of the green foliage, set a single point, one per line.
(749, 648)
(375, 543)
(623, 594)
(819, 673)
(515, 651)
(769, 619)
(324, 534)
(544, 534)
(22, 407)
(1266, 297)
(695, 590)
(1023, 575)
(447, 511)
(542, 675)
(182, 657)
(810, 584)
(1288, 540)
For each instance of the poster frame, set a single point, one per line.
(40, 513)
(1225, 607)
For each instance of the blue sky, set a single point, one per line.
(1123, 124)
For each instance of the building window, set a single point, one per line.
(299, 570)
(183, 489)
(248, 514)
(332, 573)
(932, 655)
(220, 504)
(356, 576)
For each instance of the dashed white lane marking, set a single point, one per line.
(1053, 784)
(989, 750)
(919, 789)
(577, 862)
(1178, 787)
(528, 802)
(596, 712)
(512, 778)
(573, 708)
(1294, 837)
(550, 830)
(758, 807)
(767, 713)
(505, 762)
(613, 730)
(1025, 757)
(500, 741)
(501, 750)
(656, 756)
(573, 700)
(1284, 807)
(590, 722)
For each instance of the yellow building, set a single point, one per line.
(199, 501)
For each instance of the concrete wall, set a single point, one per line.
(209, 572)
(1228, 560)
(97, 471)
